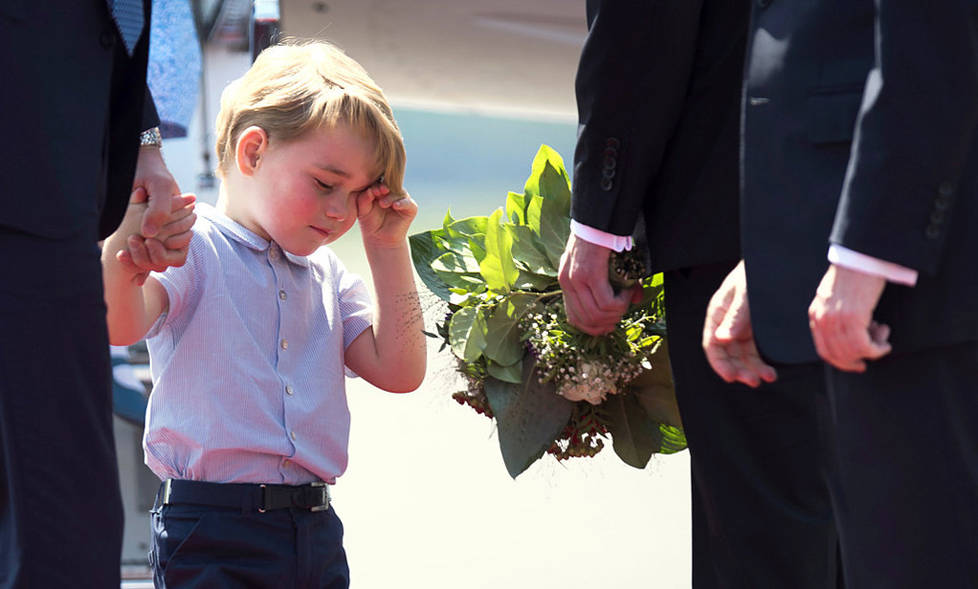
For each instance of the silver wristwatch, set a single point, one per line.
(151, 137)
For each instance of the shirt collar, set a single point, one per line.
(242, 234)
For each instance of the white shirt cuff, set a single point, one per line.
(602, 238)
(847, 258)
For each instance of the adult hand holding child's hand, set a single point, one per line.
(168, 247)
(384, 217)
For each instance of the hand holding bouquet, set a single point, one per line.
(550, 388)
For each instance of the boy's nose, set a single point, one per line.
(337, 209)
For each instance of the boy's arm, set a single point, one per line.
(391, 354)
(133, 306)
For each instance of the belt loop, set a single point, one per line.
(166, 491)
(263, 495)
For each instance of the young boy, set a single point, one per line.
(249, 340)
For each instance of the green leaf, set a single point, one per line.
(673, 439)
(655, 390)
(528, 253)
(498, 267)
(455, 263)
(469, 225)
(549, 179)
(511, 374)
(503, 335)
(458, 271)
(467, 333)
(534, 210)
(516, 207)
(554, 229)
(529, 417)
(425, 250)
(635, 437)
(457, 234)
(538, 282)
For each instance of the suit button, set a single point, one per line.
(606, 173)
(937, 217)
(106, 39)
(946, 189)
(942, 203)
(610, 163)
(606, 184)
(932, 232)
(612, 142)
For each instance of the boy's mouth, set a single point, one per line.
(323, 232)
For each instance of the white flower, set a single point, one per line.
(593, 384)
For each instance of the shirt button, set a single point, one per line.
(288, 389)
(272, 253)
(292, 434)
(285, 344)
(282, 295)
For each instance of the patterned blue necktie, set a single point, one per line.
(128, 17)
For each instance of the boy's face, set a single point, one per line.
(307, 188)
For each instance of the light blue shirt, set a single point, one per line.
(247, 364)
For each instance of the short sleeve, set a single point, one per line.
(356, 307)
(182, 284)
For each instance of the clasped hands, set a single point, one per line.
(167, 216)
(840, 317)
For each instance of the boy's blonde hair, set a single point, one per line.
(299, 86)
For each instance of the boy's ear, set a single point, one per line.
(251, 147)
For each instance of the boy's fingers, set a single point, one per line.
(365, 203)
(180, 225)
(180, 201)
(163, 257)
(178, 241)
(126, 260)
(405, 204)
(137, 250)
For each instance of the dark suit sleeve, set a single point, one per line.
(913, 135)
(631, 84)
(150, 117)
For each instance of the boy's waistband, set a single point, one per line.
(248, 497)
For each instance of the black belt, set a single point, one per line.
(246, 496)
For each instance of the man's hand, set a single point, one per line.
(728, 337)
(841, 318)
(591, 303)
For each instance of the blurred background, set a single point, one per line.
(427, 503)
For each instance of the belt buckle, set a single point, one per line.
(325, 492)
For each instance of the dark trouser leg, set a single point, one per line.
(761, 509)
(60, 505)
(906, 493)
(221, 548)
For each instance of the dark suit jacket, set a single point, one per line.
(72, 107)
(658, 94)
(866, 140)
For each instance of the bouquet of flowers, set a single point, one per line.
(549, 387)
